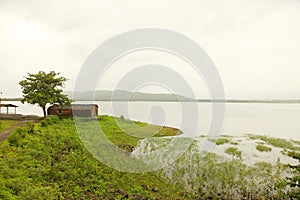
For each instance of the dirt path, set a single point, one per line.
(5, 134)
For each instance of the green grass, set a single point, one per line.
(293, 154)
(263, 148)
(234, 152)
(276, 142)
(234, 143)
(220, 141)
(126, 133)
(52, 163)
(6, 124)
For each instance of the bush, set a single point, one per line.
(30, 127)
(221, 141)
(44, 123)
(234, 143)
(48, 120)
(17, 135)
(54, 119)
(234, 152)
(263, 148)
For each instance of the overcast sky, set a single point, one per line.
(254, 44)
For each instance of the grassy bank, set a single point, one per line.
(115, 128)
(52, 163)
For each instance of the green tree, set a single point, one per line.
(43, 88)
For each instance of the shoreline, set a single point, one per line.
(276, 101)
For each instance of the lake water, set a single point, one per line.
(276, 120)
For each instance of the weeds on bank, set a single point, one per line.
(51, 162)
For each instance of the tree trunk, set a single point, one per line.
(44, 111)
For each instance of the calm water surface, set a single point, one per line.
(277, 120)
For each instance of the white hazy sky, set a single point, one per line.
(254, 44)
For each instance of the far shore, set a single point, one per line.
(275, 101)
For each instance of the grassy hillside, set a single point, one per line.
(50, 162)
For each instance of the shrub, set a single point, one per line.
(13, 140)
(48, 120)
(17, 135)
(221, 141)
(234, 152)
(54, 119)
(263, 148)
(44, 123)
(30, 127)
(234, 143)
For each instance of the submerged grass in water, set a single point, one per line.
(234, 152)
(263, 148)
(276, 142)
(213, 177)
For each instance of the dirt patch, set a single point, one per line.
(20, 117)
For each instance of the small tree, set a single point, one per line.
(43, 88)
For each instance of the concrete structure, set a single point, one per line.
(80, 110)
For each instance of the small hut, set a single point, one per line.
(80, 110)
(7, 106)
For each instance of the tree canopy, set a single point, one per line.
(43, 88)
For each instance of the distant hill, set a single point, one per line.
(121, 95)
